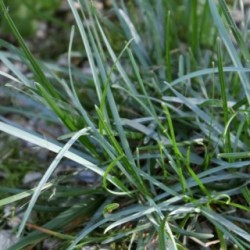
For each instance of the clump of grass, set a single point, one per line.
(166, 130)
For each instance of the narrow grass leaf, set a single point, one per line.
(207, 71)
(223, 89)
(35, 66)
(87, 48)
(22, 78)
(47, 175)
(236, 32)
(215, 218)
(52, 146)
(236, 155)
(22, 195)
(163, 238)
(230, 48)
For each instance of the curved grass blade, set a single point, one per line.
(203, 72)
(47, 175)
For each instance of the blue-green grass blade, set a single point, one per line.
(230, 48)
(236, 32)
(230, 227)
(167, 46)
(87, 48)
(22, 195)
(20, 76)
(236, 155)
(52, 146)
(47, 175)
(223, 88)
(207, 71)
(131, 32)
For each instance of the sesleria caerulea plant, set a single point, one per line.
(166, 131)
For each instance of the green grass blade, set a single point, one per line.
(35, 66)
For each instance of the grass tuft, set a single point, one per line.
(161, 121)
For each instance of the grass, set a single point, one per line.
(163, 120)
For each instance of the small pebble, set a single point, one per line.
(7, 239)
(31, 177)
